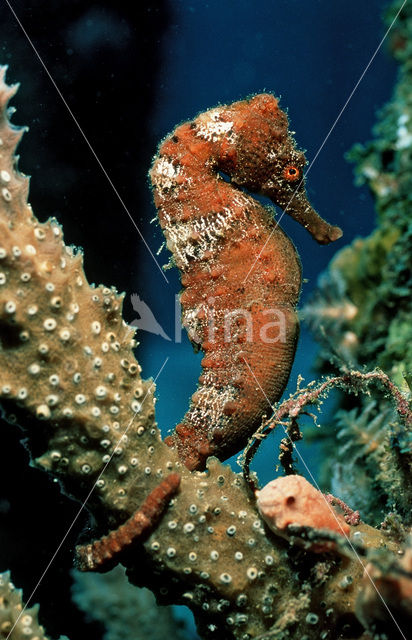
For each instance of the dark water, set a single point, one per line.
(130, 72)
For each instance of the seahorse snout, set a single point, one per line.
(297, 206)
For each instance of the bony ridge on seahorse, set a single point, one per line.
(240, 273)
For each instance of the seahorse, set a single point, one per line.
(240, 273)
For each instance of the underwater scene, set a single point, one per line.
(206, 320)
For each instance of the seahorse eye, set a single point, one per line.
(291, 173)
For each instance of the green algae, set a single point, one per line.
(362, 311)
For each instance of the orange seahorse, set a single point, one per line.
(240, 273)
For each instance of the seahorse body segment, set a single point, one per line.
(98, 554)
(240, 273)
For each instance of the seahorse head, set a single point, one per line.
(259, 154)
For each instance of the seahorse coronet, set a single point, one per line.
(240, 273)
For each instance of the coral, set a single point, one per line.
(112, 600)
(368, 438)
(362, 311)
(241, 312)
(289, 410)
(350, 516)
(292, 500)
(61, 337)
(13, 625)
(389, 595)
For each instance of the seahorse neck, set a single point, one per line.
(187, 181)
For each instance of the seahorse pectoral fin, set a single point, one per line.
(300, 210)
